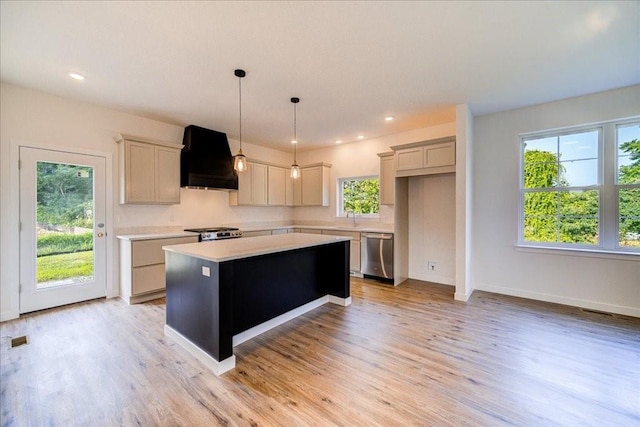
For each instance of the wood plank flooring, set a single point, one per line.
(408, 355)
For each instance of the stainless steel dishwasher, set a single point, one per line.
(377, 255)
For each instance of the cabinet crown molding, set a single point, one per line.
(262, 162)
(423, 143)
(124, 137)
(386, 154)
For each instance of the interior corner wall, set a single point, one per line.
(464, 203)
(599, 283)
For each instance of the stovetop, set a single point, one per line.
(216, 233)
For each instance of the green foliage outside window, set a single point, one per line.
(555, 214)
(629, 228)
(561, 216)
(360, 196)
(65, 195)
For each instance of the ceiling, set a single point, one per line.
(351, 62)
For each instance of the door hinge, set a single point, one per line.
(19, 226)
(19, 164)
(20, 288)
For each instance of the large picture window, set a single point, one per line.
(569, 196)
(360, 196)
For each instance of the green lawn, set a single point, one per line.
(64, 266)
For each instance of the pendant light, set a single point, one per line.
(240, 161)
(295, 169)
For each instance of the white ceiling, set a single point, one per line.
(350, 62)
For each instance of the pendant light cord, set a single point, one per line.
(295, 133)
(240, 107)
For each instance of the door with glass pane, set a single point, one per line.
(62, 228)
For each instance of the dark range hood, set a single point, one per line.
(206, 161)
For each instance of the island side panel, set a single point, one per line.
(333, 261)
(270, 285)
(199, 307)
(267, 286)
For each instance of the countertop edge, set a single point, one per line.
(183, 249)
(155, 236)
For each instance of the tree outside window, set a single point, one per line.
(629, 185)
(359, 195)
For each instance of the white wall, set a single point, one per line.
(599, 283)
(32, 117)
(464, 202)
(432, 227)
(360, 159)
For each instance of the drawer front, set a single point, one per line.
(149, 252)
(355, 236)
(148, 279)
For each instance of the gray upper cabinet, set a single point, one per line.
(387, 178)
(425, 158)
(315, 184)
(149, 171)
(264, 184)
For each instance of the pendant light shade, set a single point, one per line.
(240, 161)
(295, 169)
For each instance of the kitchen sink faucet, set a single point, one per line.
(353, 214)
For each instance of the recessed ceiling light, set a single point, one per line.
(76, 76)
(388, 118)
(360, 136)
(339, 141)
(293, 141)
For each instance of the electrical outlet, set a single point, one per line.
(431, 265)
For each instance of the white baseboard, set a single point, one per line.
(574, 302)
(9, 315)
(283, 318)
(216, 367)
(461, 296)
(344, 302)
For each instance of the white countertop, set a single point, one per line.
(230, 249)
(152, 236)
(357, 229)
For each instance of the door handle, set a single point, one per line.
(100, 234)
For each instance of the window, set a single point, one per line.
(569, 197)
(358, 195)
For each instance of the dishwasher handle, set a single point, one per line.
(378, 236)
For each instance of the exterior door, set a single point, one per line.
(62, 228)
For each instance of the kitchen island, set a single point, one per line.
(222, 293)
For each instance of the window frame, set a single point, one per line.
(340, 198)
(607, 187)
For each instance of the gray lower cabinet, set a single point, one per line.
(142, 272)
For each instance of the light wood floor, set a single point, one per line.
(397, 356)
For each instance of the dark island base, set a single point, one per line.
(213, 306)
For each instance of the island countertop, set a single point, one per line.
(231, 249)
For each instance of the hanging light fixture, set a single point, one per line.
(295, 169)
(240, 161)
